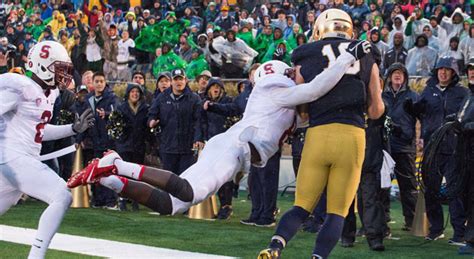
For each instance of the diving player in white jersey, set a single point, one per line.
(270, 112)
(26, 107)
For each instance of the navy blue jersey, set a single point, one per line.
(346, 102)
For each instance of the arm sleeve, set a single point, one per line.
(408, 28)
(225, 109)
(318, 87)
(8, 99)
(154, 110)
(53, 132)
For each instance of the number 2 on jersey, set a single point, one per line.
(329, 53)
(45, 118)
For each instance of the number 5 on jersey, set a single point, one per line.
(329, 53)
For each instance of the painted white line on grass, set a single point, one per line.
(97, 247)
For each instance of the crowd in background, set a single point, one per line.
(225, 37)
(175, 42)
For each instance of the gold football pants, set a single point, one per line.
(332, 158)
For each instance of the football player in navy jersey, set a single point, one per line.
(335, 140)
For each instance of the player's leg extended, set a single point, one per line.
(39, 181)
(310, 183)
(348, 155)
(112, 163)
(162, 179)
(140, 192)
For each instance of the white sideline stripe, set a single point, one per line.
(97, 247)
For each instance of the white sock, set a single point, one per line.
(48, 225)
(130, 170)
(114, 183)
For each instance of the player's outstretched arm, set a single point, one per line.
(325, 81)
(81, 124)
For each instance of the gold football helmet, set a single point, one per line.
(333, 23)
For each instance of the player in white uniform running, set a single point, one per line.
(270, 112)
(26, 107)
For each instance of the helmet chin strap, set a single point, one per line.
(40, 82)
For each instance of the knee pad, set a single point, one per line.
(160, 202)
(180, 188)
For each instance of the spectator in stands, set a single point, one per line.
(376, 40)
(110, 49)
(439, 32)
(359, 12)
(197, 65)
(125, 59)
(339, 4)
(167, 61)
(454, 25)
(202, 80)
(416, 23)
(397, 54)
(163, 82)
(93, 49)
(184, 49)
(281, 21)
(29, 41)
(308, 27)
(139, 78)
(433, 41)
(180, 123)
(467, 45)
(157, 10)
(224, 20)
(263, 40)
(235, 55)
(129, 25)
(211, 13)
(399, 24)
(191, 15)
(421, 59)
(94, 14)
(454, 52)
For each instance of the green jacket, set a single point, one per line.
(196, 66)
(271, 50)
(152, 37)
(167, 62)
(292, 41)
(261, 44)
(247, 37)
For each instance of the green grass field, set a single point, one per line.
(215, 237)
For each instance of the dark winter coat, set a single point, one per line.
(180, 119)
(213, 123)
(98, 132)
(136, 129)
(403, 135)
(436, 105)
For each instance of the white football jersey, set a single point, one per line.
(267, 121)
(25, 109)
